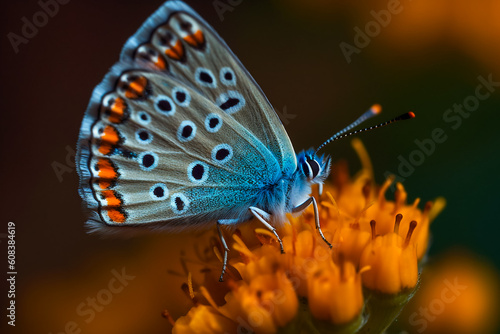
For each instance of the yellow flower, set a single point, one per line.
(335, 293)
(376, 245)
(265, 297)
(203, 319)
(393, 262)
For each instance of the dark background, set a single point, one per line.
(427, 59)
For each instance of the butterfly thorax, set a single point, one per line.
(289, 191)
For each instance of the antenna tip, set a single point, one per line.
(376, 108)
(408, 115)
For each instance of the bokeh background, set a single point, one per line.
(426, 59)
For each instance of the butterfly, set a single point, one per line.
(178, 136)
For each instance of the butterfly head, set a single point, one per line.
(313, 167)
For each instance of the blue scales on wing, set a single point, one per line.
(178, 41)
(178, 134)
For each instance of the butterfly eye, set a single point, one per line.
(179, 203)
(231, 102)
(186, 131)
(158, 192)
(197, 172)
(148, 161)
(227, 76)
(143, 136)
(181, 96)
(205, 77)
(213, 123)
(165, 105)
(306, 169)
(315, 167)
(222, 153)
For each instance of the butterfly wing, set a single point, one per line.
(178, 134)
(177, 40)
(155, 152)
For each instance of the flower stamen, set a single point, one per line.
(437, 207)
(363, 155)
(168, 316)
(372, 226)
(362, 213)
(218, 254)
(415, 203)
(333, 205)
(413, 225)
(400, 196)
(427, 208)
(399, 217)
(242, 248)
(383, 189)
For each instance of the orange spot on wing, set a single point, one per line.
(136, 88)
(107, 173)
(109, 138)
(117, 110)
(110, 135)
(175, 52)
(196, 40)
(104, 184)
(116, 216)
(106, 169)
(160, 63)
(111, 198)
(105, 148)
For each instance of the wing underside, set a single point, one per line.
(178, 134)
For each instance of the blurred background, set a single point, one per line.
(321, 64)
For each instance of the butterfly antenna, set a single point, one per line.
(375, 109)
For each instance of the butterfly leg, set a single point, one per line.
(303, 206)
(262, 216)
(224, 244)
